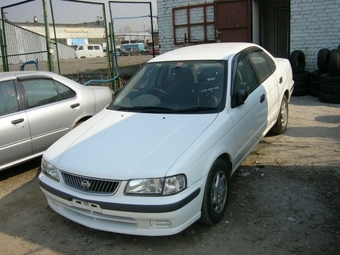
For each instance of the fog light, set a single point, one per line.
(160, 223)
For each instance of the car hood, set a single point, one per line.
(122, 145)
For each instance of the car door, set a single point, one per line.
(270, 80)
(250, 118)
(15, 140)
(52, 109)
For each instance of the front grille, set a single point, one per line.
(90, 185)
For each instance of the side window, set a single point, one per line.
(64, 91)
(263, 64)
(40, 92)
(245, 77)
(96, 47)
(8, 98)
(90, 47)
(81, 48)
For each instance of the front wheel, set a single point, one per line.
(215, 194)
(282, 119)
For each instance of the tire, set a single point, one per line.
(298, 92)
(334, 62)
(327, 79)
(282, 119)
(305, 76)
(297, 61)
(314, 88)
(315, 75)
(314, 84)
(329, 89)
(216, 194)
(331, 99)
(323, 60)
(301, 84)
(314, 92)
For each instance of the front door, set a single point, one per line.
(233, 21)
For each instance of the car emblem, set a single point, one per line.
(86, 184)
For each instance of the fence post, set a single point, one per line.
(48, 39)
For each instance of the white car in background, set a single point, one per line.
(37, 108)
(160, 156)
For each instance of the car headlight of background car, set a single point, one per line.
(156, 186)
(49, 169)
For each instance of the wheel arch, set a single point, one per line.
(81, 120)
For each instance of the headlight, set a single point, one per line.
(156, 186)
(49, 169)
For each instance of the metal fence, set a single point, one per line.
(42, 34)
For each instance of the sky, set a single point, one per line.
(131, 14)
(26, 12)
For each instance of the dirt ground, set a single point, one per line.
(285, 199)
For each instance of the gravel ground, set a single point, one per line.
(284, 199)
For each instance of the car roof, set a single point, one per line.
(14, 74)
(211, 51)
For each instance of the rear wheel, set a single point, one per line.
(282, 119)
(215, 194)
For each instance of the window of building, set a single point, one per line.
(194, 24)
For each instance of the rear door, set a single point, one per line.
(15, 141)
(52, 109)
(233, 21)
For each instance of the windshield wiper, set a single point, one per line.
(197, 109)
(152, 109)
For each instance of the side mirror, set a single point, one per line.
(239, 98)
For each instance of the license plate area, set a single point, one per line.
(86, 205)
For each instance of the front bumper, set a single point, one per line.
(149, 216)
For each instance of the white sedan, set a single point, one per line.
(160, 156)
(37, 108)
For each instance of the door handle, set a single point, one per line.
(14, 122)
(262, 98)
(217, 33)
(74, 105)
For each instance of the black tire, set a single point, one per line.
(327, 79)
(297, 61)
(282, 119)
(323, 60)
(334, 62)
(315, 75)
(216, 194)
(314, 92)
(305, 76)
(314, 88)
(314, 84)
(329, 89)
(331, 99)
(300, 92)
(301, 84)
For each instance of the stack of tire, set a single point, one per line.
(300, 76)
(329, 88)
(323, 65)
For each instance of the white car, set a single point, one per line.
(37, 108)
(160, 156)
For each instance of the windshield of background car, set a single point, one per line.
(175, 87)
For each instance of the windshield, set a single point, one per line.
(174, 87)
